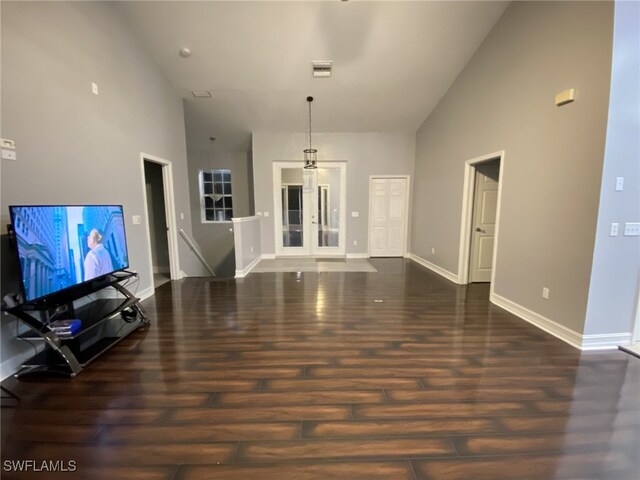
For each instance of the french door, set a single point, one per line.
(310, 209)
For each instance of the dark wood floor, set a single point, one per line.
(392, 375)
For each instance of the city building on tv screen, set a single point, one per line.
(62, 246)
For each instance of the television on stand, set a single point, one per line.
(65, 250)
(67, 253)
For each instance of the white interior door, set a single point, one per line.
(388, 217)
(484, 221)
(310, 208)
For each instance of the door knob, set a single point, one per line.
(478, 229)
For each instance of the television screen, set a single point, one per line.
(62, 246)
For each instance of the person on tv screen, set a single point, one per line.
(98, 261)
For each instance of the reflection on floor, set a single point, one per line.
(314, 265)
(160, 279)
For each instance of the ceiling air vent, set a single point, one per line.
(201, 93)
(321, 69)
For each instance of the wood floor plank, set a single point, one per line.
(544, 442)
(210, 432)
(376, 383)
(257, 414)
(317, 397)
(451, 409)
(308, 471)
(344, 449)
(591, 466)
(136, 455)
(398, 428)
(193, 386)
(464, 394)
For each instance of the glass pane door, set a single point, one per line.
(310, 206)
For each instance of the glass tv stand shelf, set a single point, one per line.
(104, 322)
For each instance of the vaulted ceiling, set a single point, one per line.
(392, 61)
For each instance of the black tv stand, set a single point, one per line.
(105, 321)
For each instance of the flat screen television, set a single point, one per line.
(62, 246)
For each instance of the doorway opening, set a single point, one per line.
(160, 211)
(483, 180)
(311, 209)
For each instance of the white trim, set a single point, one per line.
(467, 216)
(560, 331)
(11, 365)
(434, 268)
(146, 293)
(636, 326)
(605, 341)
(246, 270)
(357, 255)
(407, 198)
(244, 219)
(170, 214)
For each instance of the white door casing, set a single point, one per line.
(170, 213)
(388, 216)
(484, 221)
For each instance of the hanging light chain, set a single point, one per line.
(309, 100)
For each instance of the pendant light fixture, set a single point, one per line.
(310, 154)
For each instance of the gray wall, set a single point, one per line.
(504, 100)
(365, 153)
(614, 278)
(216, 239)
(75, 147)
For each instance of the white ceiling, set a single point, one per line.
(392, 61)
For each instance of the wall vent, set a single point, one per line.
(201, 93)
(321, 68)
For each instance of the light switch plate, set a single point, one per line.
(614, 230)
(355, 214)
(619, 184)
(136, 219)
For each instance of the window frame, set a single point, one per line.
(204, 196)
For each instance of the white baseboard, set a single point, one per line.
(357, 255)
(434, 268)
(560, 331)
(605, 341)
(13, 364)
(246, 270)
(146, 293)
(268, 256)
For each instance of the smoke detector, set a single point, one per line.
(321, 68)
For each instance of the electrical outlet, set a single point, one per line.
(619, 184)
(545, 293)
(251, 249)
(433, 251)
(94, 88)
